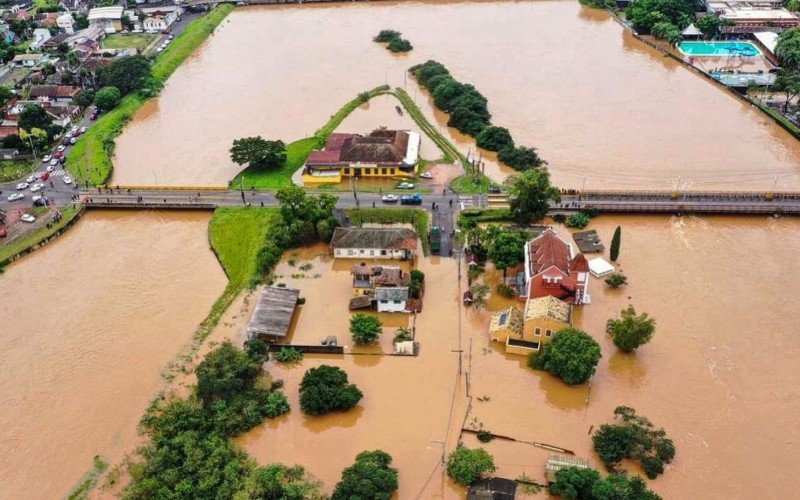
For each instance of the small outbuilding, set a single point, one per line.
(691, 32)
(391, 299)
(273, 315)
(558, 461)
(588, 241)
(600, 267)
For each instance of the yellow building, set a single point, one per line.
(524, 332)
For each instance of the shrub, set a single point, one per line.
(371, 476)
(506, 291)
(494, 138)
(288, 355)
(325, 389)
(485, 436)
(465, 465)
(366, 329)
(417, 284)
(387, 36)
(276, 404)
(617, 280)
(402, 335)
(631, 331)
(560, 218)
(578, 220)
(571, 355)
(400, 45)
(519, 158)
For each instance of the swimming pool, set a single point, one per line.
(719, 49)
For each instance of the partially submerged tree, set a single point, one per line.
(616, 240)
(507, 250)
(531, 194)
(577, 483)
(371, 476)
(465, 465)
(494, 138)
(325, 389)
(259, 153)
(366, 329)
(480, 294)
(616, 280)
(280, 482)
(631, 331)
(571, 355)
(520, 158)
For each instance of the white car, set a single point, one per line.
(389, 198)
(36, 187)
(32, 178)
(426, 175)
(62, 147)
(82, 130)
(67, 179)
(16, 196)
(22, 185)
(50, 168)
(74, 128)
(73, 140)
(160, 49)
(45, 158)
(405, 185)
(52, 163)
(28, 218)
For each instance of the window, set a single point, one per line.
(398, 301)
(351, 252)
(372, 252)
(548, 333)
(538, 332)
(383, 171)
(384, 302)
(383, 252)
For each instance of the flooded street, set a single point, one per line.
(90, 322)
(565, 79)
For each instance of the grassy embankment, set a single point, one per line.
(782, 120)
(297, 151)
(13, 248)
(90, 159)
(414, 216)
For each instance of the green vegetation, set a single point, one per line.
(417, 284)
(519, 158)
(189, 453)
(298, 151)
(107, 98)
(386, 36)
(138, 41)
(288, 355)
(280, 482)
(402, 334)
(506, 248)
(787, 82)
(531, 195)
(616, 240)
(18, 245)
(788, 49)
(89, 480)
(465, 465)
(484, 215)
(571, 355)
(90, 159)
(662, 18)
(577, 483)
(395, 41)
(371, 476)
(366, 329)
(710, 25)
(11, 170)
(414, 216)
(635, 438)
(600, 4)
(236, 235)
(325, 389)
(631, 331)
(494, 138)
(578, 220)
(259, 153)
(400, 45)
(480, 294)
(506, 291)
(616, 280)
(484, 436)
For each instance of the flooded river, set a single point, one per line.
(565, 79)
(89, 323)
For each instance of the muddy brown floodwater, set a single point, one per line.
(563, 78)
(89, 323)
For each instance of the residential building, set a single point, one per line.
(159, 17)
(391, 299)
(54, 93)
(27, 60)
(552, 269)
(527, 331)
(382, 153)
(8, 127)
(377, 243)
(109, 19)
(66, 23)
(753, 14)
(40, 36)
(47, 18)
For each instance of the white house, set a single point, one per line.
(66, 23)
(107, 18)
(376, 243)
(27, 60)
(391, 299)
(40, 36)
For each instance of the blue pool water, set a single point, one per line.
(719, 49)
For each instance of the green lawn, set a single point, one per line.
(236, 235)
(90, 159)
(138, 41)
(11, 249)
(12, 170)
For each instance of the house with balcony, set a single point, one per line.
(553, 269)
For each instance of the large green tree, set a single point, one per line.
(494, 138)
(631, 330)
(370, 477)
(644, 14)
(577, 483)
(787, 82)
(507, 250)
(366, 329)
(279, 482)
(126, 73)
(574, 483)
(106, 98)
(5, 94)
(788, 48)
(531, 194)
(520, 158)
(465, 465)
(571, 355)
(325, 389)
(34, 116)
(259, 152)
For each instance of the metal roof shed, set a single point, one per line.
(273, 314)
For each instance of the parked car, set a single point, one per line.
(389, 198)
(52, 167)
(28, 218)
(74, 135)
(405, 185)
(52, 163)
(57, 155)
(45, 158)
(62, 160)
(16, 196)
(44, 176)
(67, 179)
(73, 140)
(82, 130)
(22, 185)
(62, 147)
(93, 116)
(32, 178)
(36, 187)
(411, 199)
(74, 128)
(426, 175)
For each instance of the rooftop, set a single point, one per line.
(380, 146)
(371, 237)
(112, 12)
(510, 318)
(391, 293)
(548, 307)
(274, 312)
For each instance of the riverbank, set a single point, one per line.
(23, 246)
(91, 158)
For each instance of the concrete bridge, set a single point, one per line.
(659, 202)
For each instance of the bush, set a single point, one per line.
(387, 36)
(465, 465)
(571, 355)
(426, 71)
(400, 45)
(370, 477)
(325, 389)
(616, 280)
(631, 331)
(288, 355)
(402, 335)
(276, 404)
(494, 138)
(578, 220)
(366, 329)
(467, 122)
(578, 483)
(417, 284)
(485, 436)
(560, 218)
(506, 291)
(519, 158)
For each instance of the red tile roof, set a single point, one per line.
(548, 250)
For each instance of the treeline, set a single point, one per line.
(469, 114)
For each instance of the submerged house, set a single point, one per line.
(391, 299)
(273, 315)
(551, 268)
(382, 153)
(525, 331)
(374, 242)
(384, 288)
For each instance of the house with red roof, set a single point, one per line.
(552, 269)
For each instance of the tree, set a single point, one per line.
(325, 389)
(507, 250)
(646, 13)
(427, 70)
(578, 220)
(279, 482)
(631, 331)
(616, 280)
(107, 98)
(531, 194)
(366, 329)
(788, 48)
(621, 487)
(574, 483)
(259, 153)
(467, 121)
(616, 240)
(494, 138)
(788, 83)
(571, 355)
(465, 465)
(36, 138)
(709, 25)
(126, 73)
(34, 116)
(416, 284)
(480, 293)
(577, 483)
(387, 36)
(225, 372)
(665, 30)
(370, 477)
(5, 95)
(400, 45)
(519, 158)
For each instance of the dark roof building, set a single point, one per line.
(495, 488)
(273, 314)
(380, 243)
(60, 92)
(385, 148)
